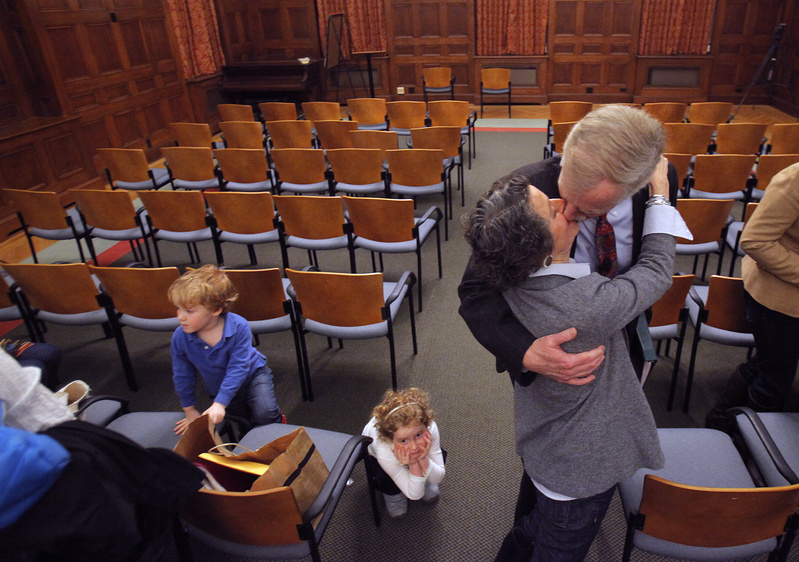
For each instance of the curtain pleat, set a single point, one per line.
(675, 27)
(366, 23)
(197, 36)
(512, 27)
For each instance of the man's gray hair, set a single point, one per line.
(617, 143)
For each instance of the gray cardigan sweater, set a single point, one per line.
(581, 440)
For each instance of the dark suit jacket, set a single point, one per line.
(488, 315)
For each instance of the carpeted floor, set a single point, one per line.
(473, 403)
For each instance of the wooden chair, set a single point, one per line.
(41, 215)
(350, 306)
(406, 115)
(448, 140)
(740, 138)
(300, 170)
(235, 112)
(682, 163)
(243, 218)
(667, 112)
(193, 134)
(721, 176)
(127, 168)
(370, 113)
(335, 134)
(9, 310)
(448, 113)
(191, 168)
(388, 226)
(668, 322)
(244, 169)
(313, 224)
(243, 134)
(65, 294)
(438, 80)
(178, 216)
(495, 82)
(707, 219)
(321, 111)
(358, 170)
(416, 172)
(290, 134)
(771, 440)
(709, 112)
(267, 308)
(559, 133)
(277, 111)
(732, 237)
(703, 504)
(688, 138)
(110, 215)
(784, 139)
(566, 112)
(768, 166)
(381, 140)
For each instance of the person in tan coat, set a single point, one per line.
(770, 271)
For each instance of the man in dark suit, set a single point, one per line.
(608, 160)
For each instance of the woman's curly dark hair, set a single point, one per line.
(509, 240)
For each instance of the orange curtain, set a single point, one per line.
(675, 27)
(365, 24)
(197, 36)
(512, 27)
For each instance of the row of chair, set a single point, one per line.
(334, 305)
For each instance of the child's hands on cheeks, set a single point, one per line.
(191, 415)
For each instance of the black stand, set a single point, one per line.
(337, 25)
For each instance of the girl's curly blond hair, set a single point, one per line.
(401, 408)
(207, 286)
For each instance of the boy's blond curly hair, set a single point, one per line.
(207, 286)
(401, 408)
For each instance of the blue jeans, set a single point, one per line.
(556, 531)
(256, 400)
(772, 368)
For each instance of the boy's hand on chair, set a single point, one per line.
(191, 415)
(216, 413)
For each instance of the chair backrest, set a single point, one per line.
(290, 134)
(449, 113)
(722, 173)
(406, 114)
(725, 304)
(495, 78)
(416, 166)
(709, 112)
(568, 111)
(667, 309)
(356, 166)
(750, 208)
(367, 111)
(667, 112)
(705, 218)
(107, 210)
(381, 140)
(242, 134)
(139, 291)
(339, 299)
(57, 288)
(190, 163)
(242, 213)
(769, 165)
(261, 293)
(179, 211)
(242, 165)
(335, 134)
(681, 162)
(714, 517)
(192, 134)
(322, 110)
(740, 138)
(278, 111)
(437, 76)
(309, 216)
(447, 139)
(299, 165)
(559, 133)
(784, 138)
(688, 138)
(235, 112)
(39, 209)
(126, 164)
(381, 219)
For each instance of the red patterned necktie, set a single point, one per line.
(606, 248)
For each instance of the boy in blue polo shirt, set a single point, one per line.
(217, 345)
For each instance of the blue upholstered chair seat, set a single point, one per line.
(697, 249)
(783, 427)
(375, 187)
(710, 333)
(149, 429)
(664, 332)
(160, 175)
(417, 190)
(249, 187)
(736, 195)
(201, 184)
(258, 238)
(425, 228)
(304, 187)
(79, 319)
(318, 244)
(185, 237)
(150, 324)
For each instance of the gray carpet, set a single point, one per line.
(473, 403)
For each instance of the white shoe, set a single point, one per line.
(396, 505)
(430, 492)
